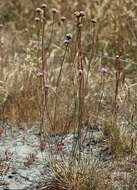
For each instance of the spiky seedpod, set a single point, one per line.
(68, 36)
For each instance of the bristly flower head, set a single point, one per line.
(104, 70)
(39, 74)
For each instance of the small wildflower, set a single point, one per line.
(80, 71)
(46, 86)
(39, 74)
(66, 41)
(82, 13)
(104, 70)
(77, 14)
(54, 10)
(69, 36)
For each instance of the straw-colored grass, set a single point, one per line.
(108, 40)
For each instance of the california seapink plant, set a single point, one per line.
(66, 43)
(80, 69)
(103, 72)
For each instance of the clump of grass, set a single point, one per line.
(75, 176)
(118, 143)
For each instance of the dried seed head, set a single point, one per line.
(117, 56)
(1, 26)
(38, 10)
(69, 36)
(54, 10)
(63, 18)
(26, 30)
(79, 24)
(43, 6)
(37, 19)
(80, 71)
(82, 13)
(77, 14)
(93, 20)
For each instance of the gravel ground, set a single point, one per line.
(23, 165)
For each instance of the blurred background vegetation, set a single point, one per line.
(109, 29)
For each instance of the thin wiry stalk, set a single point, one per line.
(81, 85)
(45, 89)
(51, 34)
(56, 98)
(118, 72)
(43, 70)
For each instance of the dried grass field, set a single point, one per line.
(68, 64)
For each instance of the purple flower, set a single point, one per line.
(66, 41)
(39, 74)
(80, 71)
(104, 70)
(46, 86)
